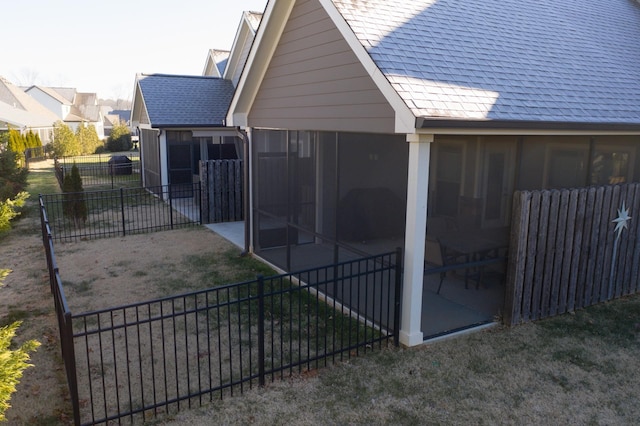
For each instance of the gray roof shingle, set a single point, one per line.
(183, 101)
(544, 60)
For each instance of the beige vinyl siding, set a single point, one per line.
(316, 82)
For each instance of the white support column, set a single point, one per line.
(416, 230)
(248, 163)
(164, 158)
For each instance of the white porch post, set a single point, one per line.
(164, 158)
(248, 175)
(416, 229)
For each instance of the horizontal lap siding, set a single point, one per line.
(564, 253)
(316, 82)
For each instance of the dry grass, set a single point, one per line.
(576, 369)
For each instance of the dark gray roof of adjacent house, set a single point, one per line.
(185, 101)
(568, 61)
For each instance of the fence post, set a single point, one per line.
(170, 207)
(69, 354)
(200, 201)
(124, 229)
(398, 295)
(261, 330)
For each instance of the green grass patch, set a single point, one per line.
(616, 323)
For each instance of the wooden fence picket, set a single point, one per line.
(565, 253)
(222, 190)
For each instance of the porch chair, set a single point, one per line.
(451, 257)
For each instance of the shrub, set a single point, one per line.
(9, 210)
(120, 139)
(65, 143)
(13, 178)
(12, 363)
(75, 206)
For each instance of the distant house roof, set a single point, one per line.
(506, 60)
(124, 115)
(20, 110)
(253, 18)
(53, 93)
(216, 63)
(185, 101)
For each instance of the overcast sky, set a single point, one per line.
(100, 46)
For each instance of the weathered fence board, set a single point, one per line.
(565, 253)
(222, 186)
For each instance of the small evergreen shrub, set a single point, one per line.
(75, 206)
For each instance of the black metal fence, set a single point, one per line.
(108, 170)
(34, 154)
(124, 211)
(132, 363)
(63, 314)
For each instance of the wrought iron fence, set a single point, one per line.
(132, 363)
(63, 313)
(34, 154)
(109, 170)
(119, 212)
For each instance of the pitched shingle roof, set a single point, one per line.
(19, 109)
(546, 60)
(185, 101)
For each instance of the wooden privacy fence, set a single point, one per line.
(222, 187)
(571, 249)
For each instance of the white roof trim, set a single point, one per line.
(244, 34)
(225, 131)
(137, 93)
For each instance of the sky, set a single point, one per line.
(100, 46)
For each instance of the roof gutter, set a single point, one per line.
(430, 123)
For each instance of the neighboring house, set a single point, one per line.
(216, 63)
(242, 42)
(114, 117)
(180, 120)
(376, 123)
(21, 112)
(70, 106)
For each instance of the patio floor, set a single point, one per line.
(454, 309)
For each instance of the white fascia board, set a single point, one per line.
(243, 33)
(405, 119)
(138, 95)
(264, 45)
(523, 132)
(225, 131)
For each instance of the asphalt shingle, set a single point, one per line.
(175, 100)
(547, 60)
